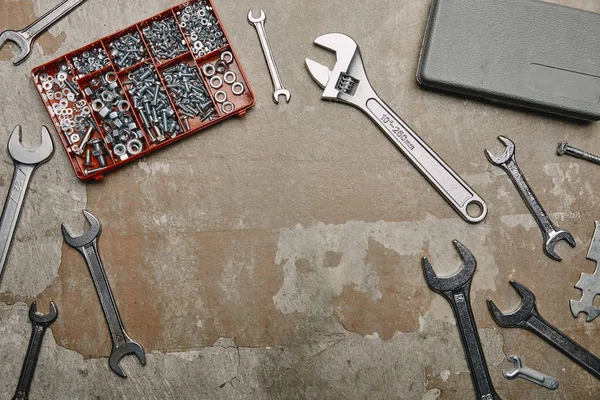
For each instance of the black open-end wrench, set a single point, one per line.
(40, 323)
(88, 246)
(456, 289)
(527, 317)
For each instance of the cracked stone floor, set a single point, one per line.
(278, 255)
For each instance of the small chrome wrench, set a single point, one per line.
(88, 246)
(26, 161)
(508, 163)
(527, 317)
(348, 83)
(456, 290)
(40, 323)
(523, 372)
(25, 37)
(259, 24)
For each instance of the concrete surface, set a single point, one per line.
(277, 256)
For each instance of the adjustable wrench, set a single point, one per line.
(508, 163)
(521, 371)
(348, 83)
(23, 38)
(259, 24)
(456, 290)
(88, 246)
(527, 317)
(26, 161)
(40, 323)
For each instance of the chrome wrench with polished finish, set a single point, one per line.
(26, 161)
(25, 37)
(348, 83)
(508, 162)
(87, 245)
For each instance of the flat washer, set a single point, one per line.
(220, 96)
(208, 70)
(134, 147)
(229, 77)
(119, 150)
(216, 82)
(227, 56)
(238, 88)
(228, 107)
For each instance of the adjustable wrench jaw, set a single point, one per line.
(19, 39)
(130, 347)
(347, 82)
(520, 317)
(27, 156)
(459, 281)
(88, 238)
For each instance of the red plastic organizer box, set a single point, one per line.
(143, 88)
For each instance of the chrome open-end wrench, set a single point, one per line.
(456, 289)
(508, 162)
(88, 246)
(527, 317)
(259, 24)
(348, 83)
(25, 162)
(40, 323)
(523, 372)
(24, 37)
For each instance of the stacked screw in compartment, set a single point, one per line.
(90, 61)
(119, 127)
(127, 50)
(188, 91)
(165, 39)
(200, 25)
(152, 104)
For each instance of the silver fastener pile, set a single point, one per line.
(191, 98)
(200, 25)
(128, 50)
(90, 61)
(165, 39)
(152, 103)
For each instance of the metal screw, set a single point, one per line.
(92, 171)
(88, 158)
(98, 150)
(564, 148)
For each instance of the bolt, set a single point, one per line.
(564, 148)
(92, 171)
(88, 158)
(98, 150)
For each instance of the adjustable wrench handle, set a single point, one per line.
(109, 306)
(532, 202)
(50, 18)
(447, 182)
(12, 208)
(31, 359)
(564, 344)
(472, 344)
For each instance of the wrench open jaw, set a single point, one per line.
(507, 161)
(520, 317)
(88, 237)
(348, 83)
(28, 156)
(43, 319)
(130, 347)
(459, 279)
(18, 39)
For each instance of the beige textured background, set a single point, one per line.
(277, 256)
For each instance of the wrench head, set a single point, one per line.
(521, 315)
(456, 281)
(40, 319)
(518, 365)
(28, 156)
(282, 92)
(129, 348)
(509, 152)
(19, 40)
(87, 238)
(553, 240)
(252, 20)
(348, 65)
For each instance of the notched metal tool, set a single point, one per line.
(348, 83)
(589, 284)
(523, 372)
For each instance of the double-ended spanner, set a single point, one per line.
(456, 289)
(40, 323)
(348, 83)
(531, 375)
(88, 246)
(527, 317)
(259, 24)
(25, 37)
(508, 162)
(25, 161)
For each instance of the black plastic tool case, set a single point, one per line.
(523, 52)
